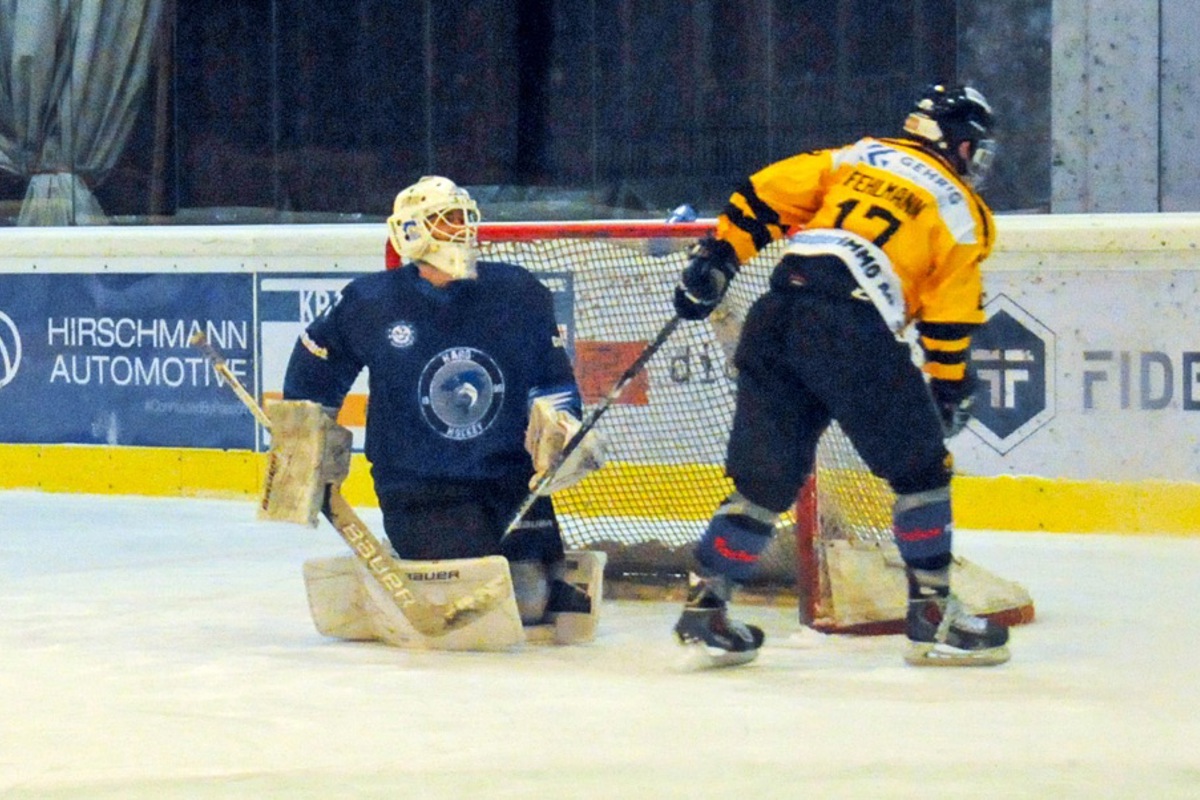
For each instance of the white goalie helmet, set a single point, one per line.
(424, 226)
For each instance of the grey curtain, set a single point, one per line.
(72, 75)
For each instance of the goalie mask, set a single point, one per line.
(436, 221)
(945, 117)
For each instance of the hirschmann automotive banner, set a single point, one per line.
(105, 359)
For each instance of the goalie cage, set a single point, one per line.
(613, 282)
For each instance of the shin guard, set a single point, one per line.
(923, 528)
(736, 536)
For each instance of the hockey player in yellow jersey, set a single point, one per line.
(891, 231)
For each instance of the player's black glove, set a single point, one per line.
(954, 400)
(712, 264)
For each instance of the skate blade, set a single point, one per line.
(697, 657)
(925, 654)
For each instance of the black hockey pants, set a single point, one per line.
(465, 519)
(811, 352)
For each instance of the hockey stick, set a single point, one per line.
(590, 421)
(427, 619)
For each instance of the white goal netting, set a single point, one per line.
(667, 434)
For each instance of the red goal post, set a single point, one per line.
(613, 281)
(580, 229)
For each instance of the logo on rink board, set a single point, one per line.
(10, 349)
(1013, 357)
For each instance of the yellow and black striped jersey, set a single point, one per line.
(932, 226)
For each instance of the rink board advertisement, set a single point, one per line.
(1088, 363)
(105, 359)
(1087, 374)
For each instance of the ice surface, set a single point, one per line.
(163, 648)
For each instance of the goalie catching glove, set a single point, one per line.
(549, 431)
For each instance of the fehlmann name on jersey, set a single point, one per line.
(903, 197)
(905, 165)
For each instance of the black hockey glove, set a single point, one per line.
(954, 400)
(712, 264)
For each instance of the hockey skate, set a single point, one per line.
(943, 634)
(705, 631)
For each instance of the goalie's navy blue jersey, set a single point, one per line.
(451, 370)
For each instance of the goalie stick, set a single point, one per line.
(427, 619)
(590, 421)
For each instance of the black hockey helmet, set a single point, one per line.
(944, 117)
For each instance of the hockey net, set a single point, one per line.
(667, 433)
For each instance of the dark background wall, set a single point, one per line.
(302, 110)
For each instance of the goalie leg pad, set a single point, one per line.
(348, 603)
(449, 580)
(336, 599)
(575, 598)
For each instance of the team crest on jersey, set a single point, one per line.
(461, 392)
(401, 335)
